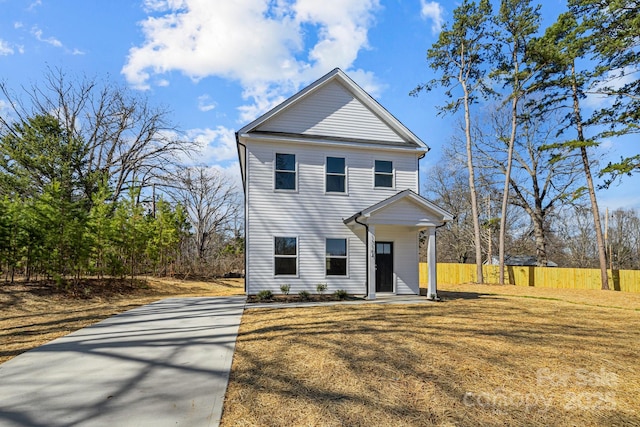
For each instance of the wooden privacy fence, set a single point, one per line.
(542, 277)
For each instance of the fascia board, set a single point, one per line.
(313, 141)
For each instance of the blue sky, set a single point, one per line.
(217, 64)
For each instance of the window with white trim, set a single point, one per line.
(285, 171)
(336, 176)
(285, 256)
(383, 174)
(336, 257)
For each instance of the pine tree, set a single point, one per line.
(563, 86)
(459, 56)
(609, 30)
(517, 21)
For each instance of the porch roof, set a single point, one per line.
(404, 208)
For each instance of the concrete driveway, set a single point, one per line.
(163, 364)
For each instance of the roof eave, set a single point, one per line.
(312, 140)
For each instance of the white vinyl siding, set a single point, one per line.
(327, 112)
(402, 212)
(311, 214)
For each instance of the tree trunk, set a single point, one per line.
(507, 175)
(472, 188)
(541, 245)
(602, 257)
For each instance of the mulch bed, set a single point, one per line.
(254, 299)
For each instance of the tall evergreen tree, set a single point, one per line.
(610, 32)
(458, 57)
(517, 21)
(564, 86)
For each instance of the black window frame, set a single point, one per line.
(283, 172)
(382, 174)
(344, 259)
(284, 256)
(329, 173)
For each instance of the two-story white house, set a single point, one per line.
(331, 195)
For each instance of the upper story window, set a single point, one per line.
(285, 171)
(336, 179)
(383, 173)
(336, 257)
(285, 256)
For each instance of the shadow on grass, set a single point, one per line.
(415, 365)
(453, 295)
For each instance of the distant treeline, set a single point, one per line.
(92, 184)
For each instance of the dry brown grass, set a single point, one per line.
(36, 313)
(488, 356)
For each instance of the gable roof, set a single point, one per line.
(433, 211)
(334, 100)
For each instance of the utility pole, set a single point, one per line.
(489, 253)
(153, 196)
(607, 243)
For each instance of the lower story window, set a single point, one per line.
(286, 256)
(336, 257)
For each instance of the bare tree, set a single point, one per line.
(544, 176)
(576, 231)
(623, 239)
(447, 185)
(212, 205)
(126, 139)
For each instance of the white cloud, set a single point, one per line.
(5, 110)
(35, 4)
(205, 103)
(5, 48)
(367, 81)
(37, 32)
(597, 95)
(271, 48)
(606, 145)
(215, 145)
(231, 172)
(17, 25)
(433, 11)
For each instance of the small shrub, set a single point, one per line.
(304, 295)
(285, 289)
(321, 288)
(341, 294)
(264, 295)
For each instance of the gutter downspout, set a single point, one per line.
(244, 190)
(366, 242)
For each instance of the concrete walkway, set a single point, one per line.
(163, 364)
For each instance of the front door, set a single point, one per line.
(384, 266)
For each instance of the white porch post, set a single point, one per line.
(371, 236)
(431, 263)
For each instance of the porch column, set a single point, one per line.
(371, 236)
(431, 263)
